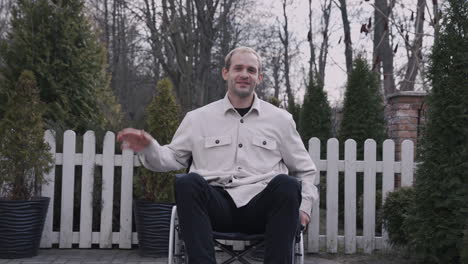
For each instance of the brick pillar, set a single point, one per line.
(405, 114)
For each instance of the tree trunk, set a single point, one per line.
(276, 66)
(179, 45)
(435, 22)
(326, 10)
(224, 46)
(310, 38)
(284, 37)
(383, 53)
(416, 55)
(347, 37)
(205, 15)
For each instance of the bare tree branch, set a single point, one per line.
(413, 64)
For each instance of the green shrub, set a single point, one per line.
(163, 119)
(57, 42)
(315, 116)
(274, 101)
(24, 155)
(395, 212)
(363, 109)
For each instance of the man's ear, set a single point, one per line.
(260, 78)
(224, 73)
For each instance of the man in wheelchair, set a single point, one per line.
(242, 150)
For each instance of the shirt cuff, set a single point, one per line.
(148, 152)
(306, 207)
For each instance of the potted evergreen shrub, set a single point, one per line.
(155, 190)
(24, 158)
(395, 213)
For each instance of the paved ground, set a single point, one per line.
(103, 256)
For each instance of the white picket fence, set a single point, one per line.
(65, 237)
(350, 166)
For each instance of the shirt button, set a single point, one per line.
(242, 120)
(240, 145)
(264, 143)
(217, 141)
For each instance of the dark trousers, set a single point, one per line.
(203, 208)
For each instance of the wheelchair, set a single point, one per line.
(178, 255)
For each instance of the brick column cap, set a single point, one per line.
(407, 94)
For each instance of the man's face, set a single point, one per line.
(243, 75)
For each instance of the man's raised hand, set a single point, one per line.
(134, 139)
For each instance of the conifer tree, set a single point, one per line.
(441, 185)
(295, 110)
(55, 40)
(24, 156)
(363, 118)
(163, 119)
(363, 111)
(464, 247)
(315, 117)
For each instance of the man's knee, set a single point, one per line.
(286, 186)
(189, 182)
(286, 182)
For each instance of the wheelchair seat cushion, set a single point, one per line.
(237, 236)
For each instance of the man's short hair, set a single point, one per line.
(227, 60)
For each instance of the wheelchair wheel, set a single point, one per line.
(299, 251)
(179, 255)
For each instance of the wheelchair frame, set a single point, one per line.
(177, 254)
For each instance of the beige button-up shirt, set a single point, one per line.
(241, 154)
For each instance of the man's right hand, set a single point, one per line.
(134, 139)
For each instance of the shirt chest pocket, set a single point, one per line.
(217, 141)
(264, 143)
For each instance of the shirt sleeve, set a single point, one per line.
(299, 163)
(174, 156)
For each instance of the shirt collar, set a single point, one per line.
(228, 106)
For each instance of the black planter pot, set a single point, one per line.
(21, 225)
(152, 222)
